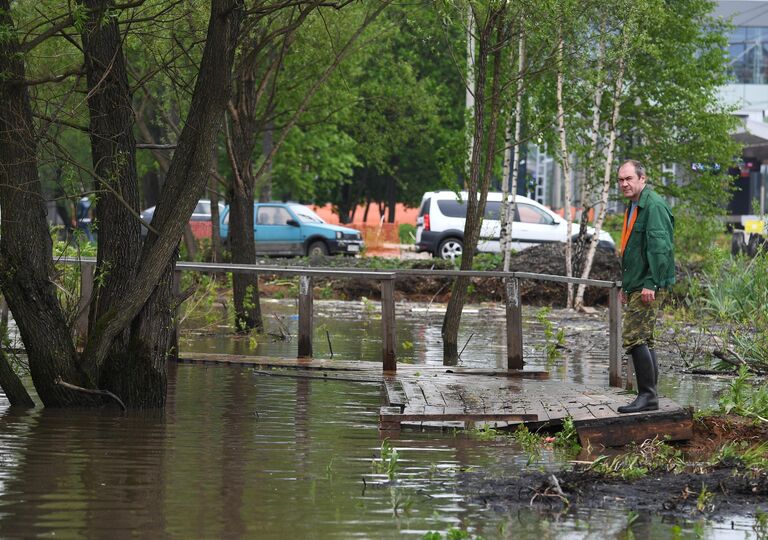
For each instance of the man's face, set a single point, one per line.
(631, 185)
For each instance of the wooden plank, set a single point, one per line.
(306, 317)
(432, 395)
(453, 417)
(413, 394)
(388, 333)
(394, 392)
(637, 427)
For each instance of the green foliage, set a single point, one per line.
(760, 527)
(488, 262)
(750, 456)
(451, 534)
(730, 295)
(406, 232)
(530, 442)
(484, 433)
(568, 438)
(744, 398)
(695, 234)
(388, 460)
(651, 455)
(554, 340)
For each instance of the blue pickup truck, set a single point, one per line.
(293, 229)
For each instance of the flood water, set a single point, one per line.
(236, 454)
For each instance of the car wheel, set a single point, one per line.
(317, 249)
(450, 249)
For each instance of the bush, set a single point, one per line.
(406, 233)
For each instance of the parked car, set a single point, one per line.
(202, 212)
(293, 229)
(440, 225)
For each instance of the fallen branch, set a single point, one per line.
(107, 393)
(722, 355)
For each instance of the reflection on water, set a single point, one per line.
(241, 455)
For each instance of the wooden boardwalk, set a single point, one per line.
(445, 397)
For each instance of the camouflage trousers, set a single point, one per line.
(640, 320)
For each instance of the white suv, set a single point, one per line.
(440, 225)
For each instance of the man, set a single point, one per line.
(648, 268)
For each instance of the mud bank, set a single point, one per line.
(716, 490)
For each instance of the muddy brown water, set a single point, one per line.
(236, 454)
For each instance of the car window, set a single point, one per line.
(424, 207)
(203, 207)
(453, 208)
(273, 215)
(527, 213)
(492, 209)
(306, 215)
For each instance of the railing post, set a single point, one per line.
(514, 312)
(305, 317)
(388, 323)
(87, 271)
(614, 337)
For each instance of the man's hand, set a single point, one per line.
(622, 296)
(647, 296)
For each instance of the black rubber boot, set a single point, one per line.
(655, 368)
(646, 399)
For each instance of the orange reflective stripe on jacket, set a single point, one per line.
(626, 231)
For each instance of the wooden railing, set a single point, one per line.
(387, 278)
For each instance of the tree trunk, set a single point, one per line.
(240, 142)
(608, 168)
(26, 267)
(12, 386)
(391, 199)
(484, 149)
(565, 161)
(512, 169)
(580, 248)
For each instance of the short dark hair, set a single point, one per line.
(639, 167)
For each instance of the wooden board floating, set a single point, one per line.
(427, 396)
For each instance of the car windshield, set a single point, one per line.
(306, 215)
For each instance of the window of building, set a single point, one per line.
(748, 52)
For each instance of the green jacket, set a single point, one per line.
(648, 261)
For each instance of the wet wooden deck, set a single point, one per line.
(452, 397)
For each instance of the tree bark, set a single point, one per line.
(12, 386)
(113, 152)
(26, 266)
(483, 153)
(565, 161)
(608, 166)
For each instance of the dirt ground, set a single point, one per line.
(734, 489)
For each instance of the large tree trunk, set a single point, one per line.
(26, 266)
(113, 152)
(125, 345)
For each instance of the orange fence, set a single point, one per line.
(380, 239)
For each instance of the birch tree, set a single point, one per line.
(565, 161)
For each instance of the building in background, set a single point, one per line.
(748, 52)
